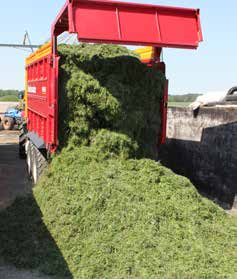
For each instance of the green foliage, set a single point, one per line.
(106, 87)
(186, 98)
(104, 213)
(120, 218)
(178, 104)
(9, 98)
(10, 95)
(9, 92)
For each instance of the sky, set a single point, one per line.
(213, 67)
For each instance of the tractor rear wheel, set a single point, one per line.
(8, 123)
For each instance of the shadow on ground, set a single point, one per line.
(13, 177)
(25, 241)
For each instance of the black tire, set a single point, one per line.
(39, 164)
(28, 148)
(22, 152)
(8, 123)
(22, 145)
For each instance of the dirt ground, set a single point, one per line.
(8, 137)
(233, 212)
(10, 272)
(13, 177)
(5, 105)
(14, 182)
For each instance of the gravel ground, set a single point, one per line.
(8, 137)
(234, 213)
(10, 272)
(5, 105)
(13, 182)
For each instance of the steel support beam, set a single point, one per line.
(19, 46)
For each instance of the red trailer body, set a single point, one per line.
(102, 21)
(40, 96)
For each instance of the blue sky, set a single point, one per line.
(213, 67)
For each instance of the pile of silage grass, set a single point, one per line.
(107, 87)
(119, 218)
(101, 216)
(110, 214)
(114, 216)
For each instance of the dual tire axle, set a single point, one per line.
(36, 162)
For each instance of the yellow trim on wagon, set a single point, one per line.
(26, 94)
(39, 53)
(145, 53)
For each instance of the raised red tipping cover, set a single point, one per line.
(106, 21)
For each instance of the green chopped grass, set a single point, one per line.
(106, 87)
(104, 209)
(116, 218)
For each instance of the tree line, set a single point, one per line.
(187, 98)
(10, 92)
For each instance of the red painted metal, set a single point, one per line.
(164, 111)
(115, 22)
(39, 97)
(106, 21)
(156, 62)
